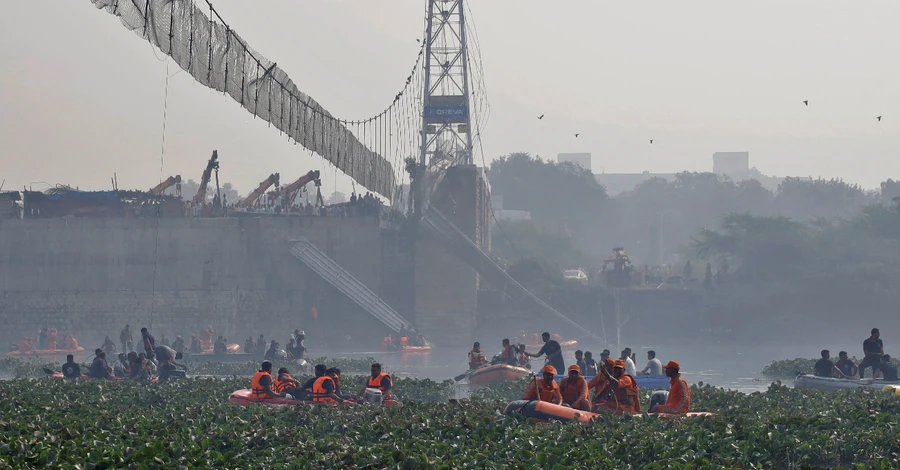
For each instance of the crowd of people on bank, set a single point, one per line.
(873, 358)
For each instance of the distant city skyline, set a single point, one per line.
(83, 97)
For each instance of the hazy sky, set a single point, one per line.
(82, 97)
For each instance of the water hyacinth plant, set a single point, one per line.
(189, 423)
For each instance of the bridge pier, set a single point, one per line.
(446, 288)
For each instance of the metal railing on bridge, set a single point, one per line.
(331, 272)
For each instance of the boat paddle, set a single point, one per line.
(463, 375)
(48, 371)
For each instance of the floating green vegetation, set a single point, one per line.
(189, 423)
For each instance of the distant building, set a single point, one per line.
(731, 163)
(617, 183)
(583, 159)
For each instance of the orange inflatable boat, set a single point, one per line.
(497, 373)
(245, 397)
(47, 354)
(544, 411)
(416, 349)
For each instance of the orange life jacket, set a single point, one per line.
(256, 388)
(318, 390)
(25, 346)
(387, 340)
(548, 392)
(404, 341)
(71, 343)
(476, 358)
(507, 355)
(283, 381)
(627, 394)
(375, 382)
(599, 386)
(523, 359)
(573, 390)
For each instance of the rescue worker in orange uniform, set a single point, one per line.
(323, 390)
(380, 380)
(286, 384)
(261, 383)
(628, 397)
(387, 343)
(679, 400)
(508, 355)
(603, 385)
(574, 390)
(544, 388)
(71, 343)
(476, 357)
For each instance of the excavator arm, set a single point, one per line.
(294, 188)
(168, 183)
(266, 184)
(212, 164)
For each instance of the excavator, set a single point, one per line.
(168, 183)
(248, 201)
(292, 190)
(212, 164)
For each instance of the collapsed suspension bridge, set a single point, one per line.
(432, 124)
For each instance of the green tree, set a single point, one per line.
(562, 198)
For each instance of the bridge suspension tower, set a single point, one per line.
(446, 131)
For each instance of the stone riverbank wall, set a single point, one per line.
(91, 276)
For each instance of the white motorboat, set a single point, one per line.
(812, 382)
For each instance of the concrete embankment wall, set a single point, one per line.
(91, 276)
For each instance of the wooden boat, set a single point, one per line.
(497, 373)
(569, 345)
(245, 397)
(544, 411)
(58, 355)
(812, 382)
(655, 382)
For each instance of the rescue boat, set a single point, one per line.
(545, 411)
(497, 373)
(655, 382)
(47, 354)
(812, 382)
(416, 349)
(245, 397)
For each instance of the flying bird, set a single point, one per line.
(878, 118)
(651, 141)
(541, 116)
(576, 135)
(806, 102)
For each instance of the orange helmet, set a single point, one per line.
(548, 369)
